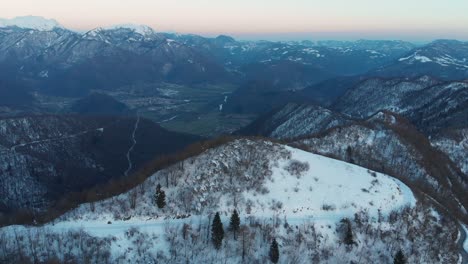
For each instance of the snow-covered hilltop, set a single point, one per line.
(306, 201)
(260, 176)
(31, 22)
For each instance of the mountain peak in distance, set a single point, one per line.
(31, 22)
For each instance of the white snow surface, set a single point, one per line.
(422, 58)
(31, 22)
(345, 187)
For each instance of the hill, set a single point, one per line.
(279, 191)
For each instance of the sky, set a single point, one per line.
(416, 20)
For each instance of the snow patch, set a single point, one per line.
(416, 57)
(44, 74)
(465, 243)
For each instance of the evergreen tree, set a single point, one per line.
(217, 232)
(160, 197)
(348, 239)
(161, 201)
(274, 251)
(349, 154)
(399, 258)
(234, 225)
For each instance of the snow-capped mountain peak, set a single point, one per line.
(140, 29)
(31, 22)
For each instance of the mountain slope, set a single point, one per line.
(430, 104)
(454, 143)
(279, 191)
(295, 120)
(259, 97)
(329, 91)
(45, 157)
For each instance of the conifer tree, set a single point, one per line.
(274, 251)
(348, 239)
(160, 197)
(234, 225)
(399, 258)
(217, 232)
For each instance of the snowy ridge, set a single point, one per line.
(295, 120)
(416, 57)
(140, 29)
(31, 22)
(444, 60)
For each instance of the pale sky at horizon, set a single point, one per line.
(416, 20)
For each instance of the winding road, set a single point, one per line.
(13, 148)
(130, 164)
(461, 243)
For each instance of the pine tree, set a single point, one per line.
(160, 197)
(161, 201)
(399, 258)
(274, 251)
(348, 239)
(217, 232)
(349, 154)
(234, 225)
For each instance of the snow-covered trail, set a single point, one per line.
(130, 164)
(463, 243)
(109, 228)
(169, 119)
(224, 101)
(13, 148)
(114, 228)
